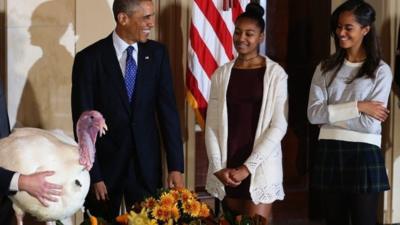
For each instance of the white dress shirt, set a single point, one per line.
(120, 47)
(14, 182)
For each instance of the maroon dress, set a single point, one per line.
(244, 98)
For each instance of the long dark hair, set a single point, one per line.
(364, 15)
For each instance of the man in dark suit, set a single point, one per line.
(397, 62)
(128, 158)
(35, 184)
(5, 175)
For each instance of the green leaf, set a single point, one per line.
(229, 215)
(246, 221)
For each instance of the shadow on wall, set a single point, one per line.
(94, 21)
(171, 35)
(45, 100)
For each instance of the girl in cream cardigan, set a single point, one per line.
(246, 121)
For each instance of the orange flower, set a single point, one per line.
(175, 213)
(167, 200)
(122, 219)
(161, 213)
(175, 194)
(204, 211)
(192, 207)
(186, 195)
(179, 189)
(150, 203)
(157, 212)
(194, 195)
(166, 213)
(167, 208)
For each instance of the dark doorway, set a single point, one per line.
(298, 38)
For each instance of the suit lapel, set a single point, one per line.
(144, 59)
(114, 71)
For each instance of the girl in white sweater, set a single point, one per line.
(246, 121)
(348, 98)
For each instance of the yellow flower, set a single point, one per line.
(167, 200)
(157, 212)
(168, 208)
(149, 203)
(175, 194)
(195, 209)
(166, 213)
(179, 189)
(194, 194)
(186, 195)
(140, 218)
(192, 207)
(161, 213)
(175, 213)
(204, 211)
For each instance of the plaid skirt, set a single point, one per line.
(349, 167)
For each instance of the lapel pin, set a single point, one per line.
(146, 57)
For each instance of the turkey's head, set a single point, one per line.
(90, 124)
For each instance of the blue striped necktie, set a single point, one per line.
(130, 73)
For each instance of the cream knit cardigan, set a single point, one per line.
(265, 161)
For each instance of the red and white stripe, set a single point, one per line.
(210, 46)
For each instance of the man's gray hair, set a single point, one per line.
(124, 6)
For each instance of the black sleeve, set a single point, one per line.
(5, 179)
(82, 97)
(168, 117)
(4, 123)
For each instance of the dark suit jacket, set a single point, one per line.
(6, 211)
(5, 175)
(133, 129)
(5, 179)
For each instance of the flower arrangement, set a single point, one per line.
(170, 206)
(242, 220)
(175, 207)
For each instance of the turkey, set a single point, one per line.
(29, 150)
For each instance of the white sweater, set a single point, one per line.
(335, 107)
(265, 161)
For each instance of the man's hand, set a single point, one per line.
(224, 176)
(175, 180)
(100, 190)
(37, 186)
(239, 174)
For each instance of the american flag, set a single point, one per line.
(210, 46)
